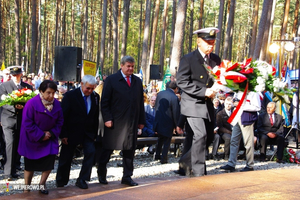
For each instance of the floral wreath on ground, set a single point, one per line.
(17, 97)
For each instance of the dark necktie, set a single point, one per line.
(85, 102)
(271, 120)
(18, 86)
(128, 80)
(206, 59)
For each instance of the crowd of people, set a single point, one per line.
(103, 116)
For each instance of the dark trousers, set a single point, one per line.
(2, 147)
(226, 137)
(104, 157)
(65, 160)
(162, 147)
(185, 165)
(279, 141)
(203, 134)
(12, 137)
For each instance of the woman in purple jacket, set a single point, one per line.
(41, 125)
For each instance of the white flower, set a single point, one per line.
(37, 92)
(28, 92)
(260, 88)
(3, 97)
(282, 84)
(260, 80)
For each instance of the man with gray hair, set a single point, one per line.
(270, 129)
(81, 110)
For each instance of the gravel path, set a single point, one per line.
(144, 166)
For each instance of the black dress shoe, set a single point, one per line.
(280, 161)
(128, 181)
(102, 180)
(247, 169)
(181, 172)
(12, 177)
(163, 161)
(60, 184)
(81, 184)
(44, 191)
(15, 175)
(228, 167)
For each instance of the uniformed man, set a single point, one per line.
(196, 100)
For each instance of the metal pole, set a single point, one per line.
(297, 113)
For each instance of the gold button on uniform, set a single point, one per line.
(201, 76)
(206, 83)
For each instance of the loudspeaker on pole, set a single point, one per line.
(154, 72)
(68, 61)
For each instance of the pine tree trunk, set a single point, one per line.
(201, 14)
(145, 43)
(125, 27)
(34, 36)
(173, 26)
(163, 38)
(178, 36)
(84, 29)
(254, 27)
(154, 30)
(220, 23)
(262, 25)
(191, 26)
(17, 32)
(229, 30)
(115, 36)
(285, 19)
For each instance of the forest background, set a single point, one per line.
(153, 32)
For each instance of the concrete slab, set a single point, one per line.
(270, 184)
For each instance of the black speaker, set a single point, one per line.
(67, 63)
(154, 72)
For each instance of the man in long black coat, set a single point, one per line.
(11, 118)
(196, 100)
(122, 107)
(81, 111)
(166, 118)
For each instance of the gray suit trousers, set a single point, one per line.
(198, 146)
(247, 132)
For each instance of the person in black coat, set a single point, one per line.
(196, 99)
(225, 128)
(166, 118)
(270, 130)
(122, 107)
(11, 118)
(81, 110)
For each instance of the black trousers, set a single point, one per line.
(104, 157)
(65, 160)
(279, 141)
(162, 147)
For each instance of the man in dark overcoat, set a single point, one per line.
(193, 78)
(122, 106)
(81, 110)
(167, 112)
(11, 118)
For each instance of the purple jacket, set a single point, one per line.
(35, 120)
